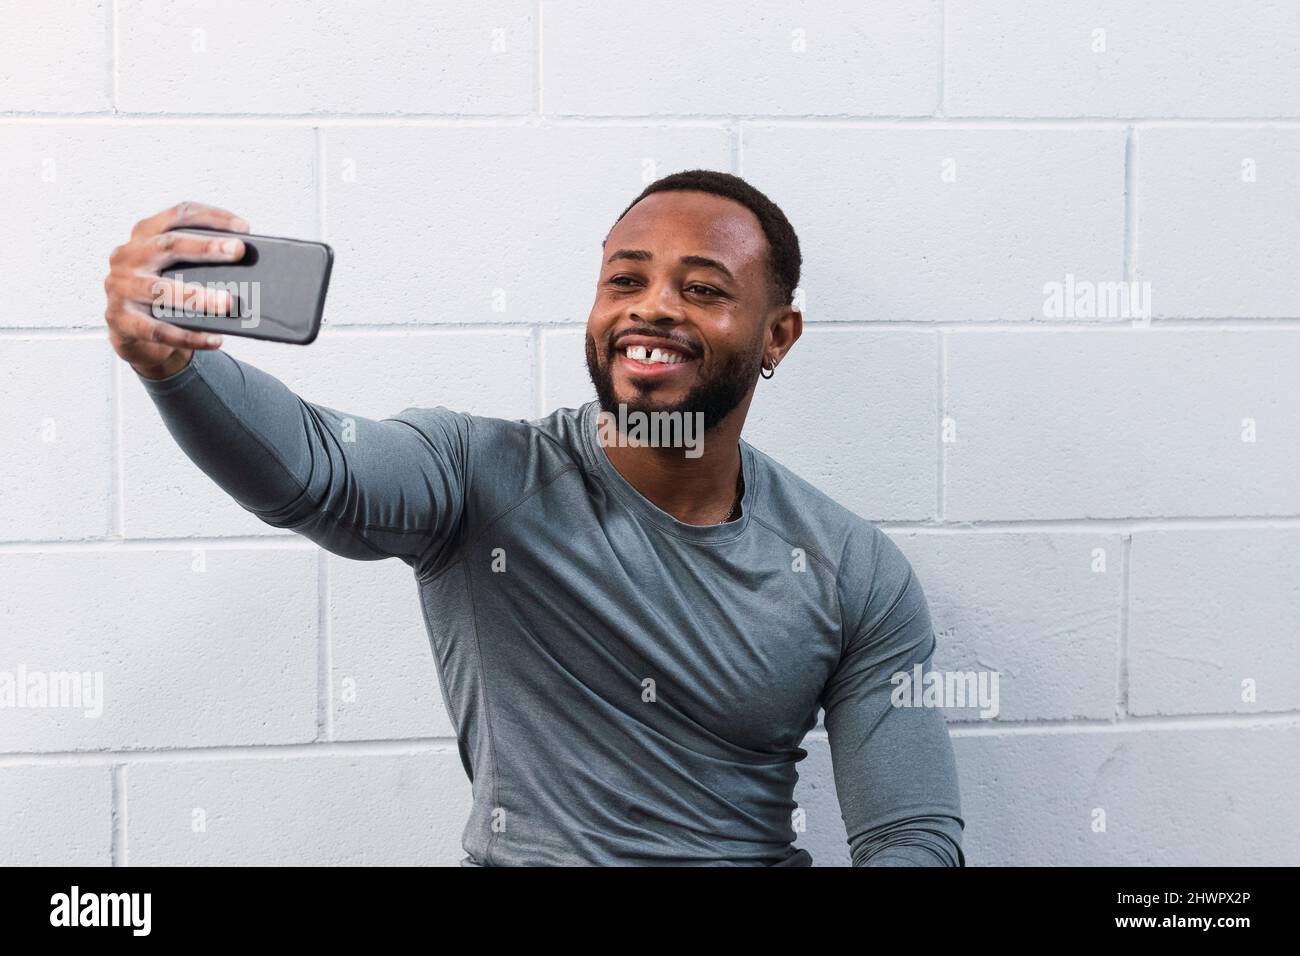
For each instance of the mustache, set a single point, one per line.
(649, 331)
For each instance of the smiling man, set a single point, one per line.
(632, 641)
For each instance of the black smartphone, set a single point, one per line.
(278, 288)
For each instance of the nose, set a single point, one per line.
(659, 302)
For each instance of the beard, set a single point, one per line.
(715, 397)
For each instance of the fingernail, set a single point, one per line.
(239, 225)
(229, 246)
(214, 340)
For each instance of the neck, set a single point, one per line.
(693, 490)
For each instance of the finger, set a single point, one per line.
(162, 250)
(134, 323)
(189, 213)
(163, 293)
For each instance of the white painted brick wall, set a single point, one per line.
(942, 161)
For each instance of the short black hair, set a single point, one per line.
(785, 259)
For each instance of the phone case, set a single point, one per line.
(279, 287)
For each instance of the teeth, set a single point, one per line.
(657, 355)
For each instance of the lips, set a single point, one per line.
(652, 357)
(667, 348)
(640, 369)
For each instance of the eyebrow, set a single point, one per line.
(642, 255)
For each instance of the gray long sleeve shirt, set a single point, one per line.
(626, 688)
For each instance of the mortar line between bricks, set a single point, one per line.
(117, 458)
(117, 850)
(1150, 724)
(1126, 590)
(537, 369)
(382, 329)
(943, 58)
(295, 543)
(324, 651)
(278, 542)
(543, 351)
(417, 746)
(414, 746)
(1128, 525)
(541, 70)
(1129, 265)
(111, 28)
(526, 120)
(942, 466)
(318, 171)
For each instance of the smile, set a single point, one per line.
(654, 356)
(652, 363)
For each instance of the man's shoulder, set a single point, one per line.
(502, 448)
(794, 507)
(867, 563)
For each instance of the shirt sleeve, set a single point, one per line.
(358, 487)
(895, 773)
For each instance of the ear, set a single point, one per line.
(784, 326)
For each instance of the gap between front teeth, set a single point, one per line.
(660, 356)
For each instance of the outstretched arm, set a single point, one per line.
(895, 773)
(358, 487)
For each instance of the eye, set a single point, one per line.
(620, 280)
(707, 289)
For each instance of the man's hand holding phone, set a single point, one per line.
(194, 272)
(153, 347)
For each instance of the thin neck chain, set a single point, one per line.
(740, 493)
